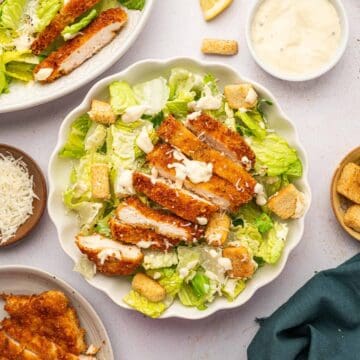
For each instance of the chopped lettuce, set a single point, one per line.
(276, 157)
(133, 4)
(154, 94)
(232, 288)
(274, 241)
(254, 122)
(273, 184)
(11, 12)
(106, 5)
(188, 261)
(264, 223)
(73, 30)
(20, 71)
(200, 284)
(158, 260)
(3, 79)
(170, 280)
(143, 305)
(247, 236)
(46, 11)
(121, 96)
(74, 147)
(85, 267)
(95, 137)
(188, 297)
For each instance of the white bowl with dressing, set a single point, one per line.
(299, 74)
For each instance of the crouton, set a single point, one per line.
(241, 96)
(148, 288)
(102, 112)
(100, 186)
(219, 47)
(349, 182)
(288, 203)
(352, 218)
(242, 264)
(217, 229)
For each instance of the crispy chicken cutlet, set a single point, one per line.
(176, 134)
(111, 258)
(67, 15)
(181, 202)
(217, 190)
(133, 212)
(221, 138)
(143, 238)
(48, 314)
(76, 51)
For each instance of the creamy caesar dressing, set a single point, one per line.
(296, 37)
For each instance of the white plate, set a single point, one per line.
(26, 280)
(59, 170)
(23, 96)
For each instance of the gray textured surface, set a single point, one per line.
(327, 114)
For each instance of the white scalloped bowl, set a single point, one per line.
(59, 170)
(22, 96)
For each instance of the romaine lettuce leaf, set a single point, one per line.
(158, 260)
(75, 146)
(264, 223)
(274, 241)
(73, 30)
(276, 157)
(46, 11)
(200, 284)
(106, 5)
(140, 303)
(188, 297)
(95, 137)
(20, 71)
(188, 261)
(121, 96)
(133, 4)
(3, 80)
(11, 13)
(154, 94)
(254, 122)
(247, 236)
(232, 289)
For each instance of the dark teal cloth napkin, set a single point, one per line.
(320, 322)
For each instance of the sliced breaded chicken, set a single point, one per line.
(76, 51)
(37, 344)
(110, 257)
(217, 190)
(67, 15)
(175, 133)
(221, 138)
(181, 202)
(12, 350)
(134, 212)
(48, 314)
(143, 238)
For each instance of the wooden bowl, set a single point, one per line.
(39, 189)
(339, 203)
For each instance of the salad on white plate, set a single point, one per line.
(181, 185)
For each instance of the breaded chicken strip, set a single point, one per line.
(35, 343)
(12, 350)
(76, 51)
(49, 315)
(134, 212)
(175, 133)
(221, 138)
(143, 238)
(181, 202)
(111, 258)
(67, 15)
(217, 190)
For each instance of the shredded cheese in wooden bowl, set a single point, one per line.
(16, 195)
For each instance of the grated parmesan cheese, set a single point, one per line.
(16, 196)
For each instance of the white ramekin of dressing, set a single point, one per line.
(297, 40)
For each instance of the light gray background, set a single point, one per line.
(327, 114)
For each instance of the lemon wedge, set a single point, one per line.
(212, 8)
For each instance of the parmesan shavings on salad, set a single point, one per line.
(16, 195)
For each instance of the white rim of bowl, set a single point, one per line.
(174, 62)
(98, 71)
(323, 70)
(63, 284)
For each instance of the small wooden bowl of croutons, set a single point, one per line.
(345, 193)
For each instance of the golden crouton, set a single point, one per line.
(349, 182)
(100, 186)
(241, 96)
(217, 229)
(242, 264)
(101, 112)
(219, 47)
(148, 287)
(288, 203)
(352, 218)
